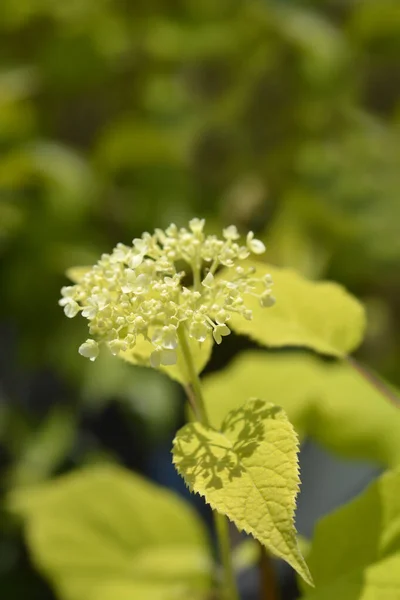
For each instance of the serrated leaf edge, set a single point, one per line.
(305, 572)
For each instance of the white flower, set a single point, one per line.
(163, 357)
(71, 308)
(221, 317)
(135, 259)
(231, 233)
(94, 304)
(199, 331)
(267, 300)
(255, 246)
(117, 346)
(219, 331)
(121, 254)
(89, 349)
(137, 291)
(208, 281)
(197, 225)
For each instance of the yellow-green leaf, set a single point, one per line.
(355, 554)
(75, 274)
(104, 533)
(249, 472)
(328, 401)
(201, 353)
(322, 316)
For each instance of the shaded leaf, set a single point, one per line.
(106, 533)
(249, 472)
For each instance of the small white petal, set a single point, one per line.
(199, 331)
(157, 336)
(89, 349)
(172, 230)
(243, 253)
(68, 290)
(221, 317)
(231, 233)
(197, 225)
(140, 245)
(120, 254)
(208, 281)
(168, 357)
(169, 338)
(268, 279)
(256, 246)
(169, 281)
(117, 346)
(135, 260)
(71, 309)
(219, 331)
(267, 300)
(155, 359)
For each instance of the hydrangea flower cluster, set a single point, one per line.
(138, 291)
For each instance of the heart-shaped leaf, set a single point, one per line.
(249, 472)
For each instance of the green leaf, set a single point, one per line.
(249, 472)
(104, 533)
(201, 354)
(328, 401)
(355, 553)
(317, 315)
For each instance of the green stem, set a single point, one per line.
(229, 590)
(228, 586)
(194, 378)
(196, 278)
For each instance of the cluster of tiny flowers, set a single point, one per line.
(137, 291)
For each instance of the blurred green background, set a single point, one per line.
(118, 116)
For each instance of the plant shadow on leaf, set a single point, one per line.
(248, 470)
(210, 458)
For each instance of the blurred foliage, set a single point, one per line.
(364, 563)
(104, 533)
(116, 117)
(327, 401)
